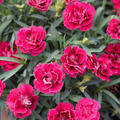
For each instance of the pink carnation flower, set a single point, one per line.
(101, 66)
(92, 62)
(41, 5)
(30, 40)
(0, 1)
(74, 61)
(78, 15)
(21, 101)
(87, 109)
(5, 51)
(116, 4)
(2, 86)
(113, 53)
(64, 111)
(104, 70)
(48, 78)
(71, 1)
(113, 29)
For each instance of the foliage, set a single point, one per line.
(15, 14)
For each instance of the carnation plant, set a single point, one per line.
(60, 59)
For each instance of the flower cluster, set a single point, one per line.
(30, 40)
(6, 51)
(48, 78)
(78, 15)
(116, 4)
(21, 101)
(86, 109)
(41, 5)
(107, 64)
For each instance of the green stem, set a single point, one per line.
(104, 3)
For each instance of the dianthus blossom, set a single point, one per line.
(0, 1)
(41, 5)
(6, 51)
(48, 77)
(21, 101)
(71, 1)
(113, 29)
(78, 15)
(30, 40)
(101, 66)
(116, 4)
(2, 86)
(113, 53)
(74, 61)
(64, 111)
(87, 109)
(104, 71)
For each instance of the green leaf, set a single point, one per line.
(13, 38)
(100, 49)
(98, 13)
(23, 56)
(56, 98)
(86, 49)
(4, 25)
(111, 95)
(103, 23)
(74, 37)
(113, 104)
(21, 24)
(75, 98)
(65, 94)
(100, 97)
(111, 83)
(10, 73)
(39, 17)
(12, 60)
(51, 56)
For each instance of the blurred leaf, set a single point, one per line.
(38, 17)
(11, 59)
(4, 25)
(111, 83)
(100, 97)
(21, 24)
(102, 24)
(111, 95)
(10, 73)
(112, 103)
(65, 94)
(75, 98)
(51, 56)
(86, 49)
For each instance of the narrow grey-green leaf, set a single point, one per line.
(111, 95)
(10, 73)
(4, 25)
(11, 59)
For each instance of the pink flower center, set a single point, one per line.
(47, 79)
(74, 59)
(26, 101)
